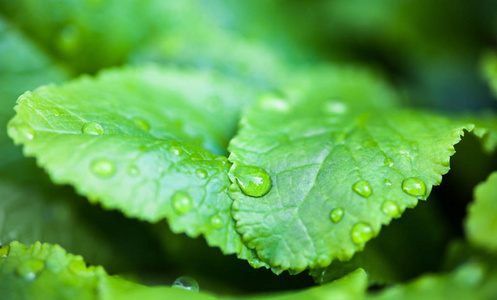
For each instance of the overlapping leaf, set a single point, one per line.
(481, 223)
(145, 141)
(45, 271)
(344, 159)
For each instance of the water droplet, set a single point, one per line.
(388, 162)
(76, 266)
(92, 128)
(336, 214)
(361, 233)
(275, 103)
(29, 269)
(217, 222)
(68, 39)
(414, 186)
(102, 167)
(390, 208)
(24, 131)
(186, 283)
(175, 150)
(4, 251)
(363, 188)
(182, 202)
(201, 173)
(253, 181)
(335, 107)
(133, 170)
(142, 124)
(387, 182)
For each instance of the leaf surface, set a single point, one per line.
(481, 222)
(344, 158)
(146, 141)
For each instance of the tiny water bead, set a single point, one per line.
(102, 167)
(182, 202)
(4, 251)
(336, 214)
(390, 208)
(253, 181)
(414, 187)
(363, 188)
(388, 162)
(133, 170)
(24, 131)
(201, 173)
(186, 283)
(217, 222)
(387, 182)
(29, 269)
(142, 124)
(361, 233)
(175, 150)
(92, 128)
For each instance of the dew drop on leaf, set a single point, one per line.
(390, 208)
(175, 150)
(361, 233)
(186, 283)
(92, 128)
(29, 269)
(25, 131)
(4, 251)
(336, 214)
(388, 162)
(363, 188)
(133, 170)
(414, 187)
(217, 222)
(201, 173)
(103, 167)
(182, 202)
(76, 266)
(142, 124)
(387, 182)
(253, 181)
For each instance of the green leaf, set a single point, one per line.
(141, 140)
(489, 65)
(344, 160)
(473, 280)
(481, 222)
(45, 271)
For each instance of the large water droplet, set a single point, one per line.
(336, 214)
(29, 269)
(102, 167)
(414, 186)
(176, 150)
(363, 188)
(217, 222)
(92, 128)
(201, 173)
(390, 208)
(253, 181)
(186, 283)
(182, 202)
(361, 233)
(142, 124)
